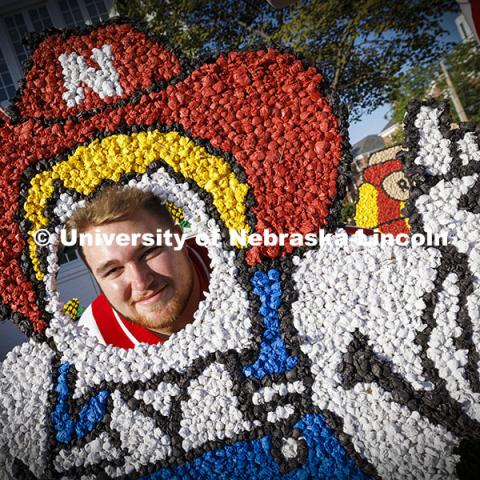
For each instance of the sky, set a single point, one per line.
(374, 123)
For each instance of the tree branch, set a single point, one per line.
(255, 30)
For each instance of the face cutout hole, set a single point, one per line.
(146, 283)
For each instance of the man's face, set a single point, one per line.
(149, 285)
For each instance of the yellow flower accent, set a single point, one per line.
(366, 212)
(175, 212)
(71, 308)
(402, 206)
(111, 157)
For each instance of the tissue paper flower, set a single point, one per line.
(383, 193)
(337, 361)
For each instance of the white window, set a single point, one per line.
(68, 254)
(16, 25)
(17, 29)
(35, 19)
(71, 13)
(97, 10)
(463, 27)
(40, 18)
(7, 87)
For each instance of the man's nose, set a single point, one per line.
(141, 277)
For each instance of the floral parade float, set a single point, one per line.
(336, 361)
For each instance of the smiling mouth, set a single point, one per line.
(154, 297)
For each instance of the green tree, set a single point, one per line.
(362, 46)
(421, 81)
(201, 28)
(463, 63)
(413, 84)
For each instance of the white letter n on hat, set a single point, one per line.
(103, 81)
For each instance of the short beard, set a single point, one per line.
(170, 313)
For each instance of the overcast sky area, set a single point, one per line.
(375, 122)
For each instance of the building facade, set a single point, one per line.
(20, 18)
(468, 23)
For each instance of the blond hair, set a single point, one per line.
(114, 204)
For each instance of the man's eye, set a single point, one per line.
(112, 271)
(151, 252)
